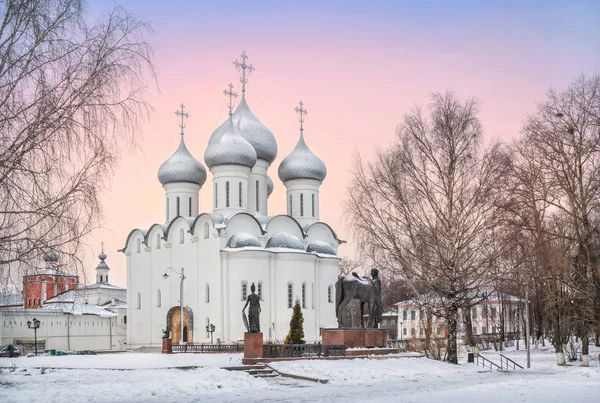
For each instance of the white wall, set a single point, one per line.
(65, 332)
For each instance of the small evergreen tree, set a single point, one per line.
(296, 334)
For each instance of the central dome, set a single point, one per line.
(302, 164)
(257, 134)
(227, 147)
(182, 167)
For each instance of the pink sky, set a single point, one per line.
(356, 78)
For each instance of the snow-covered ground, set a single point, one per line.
(136, 377)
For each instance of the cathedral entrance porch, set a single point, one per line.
(174, 325)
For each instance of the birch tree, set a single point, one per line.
(71, 97)
(428, 208)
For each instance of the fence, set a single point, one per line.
(303, 350)
(207, 348)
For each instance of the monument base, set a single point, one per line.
(253, 345)
(167, 346)
(356, 337)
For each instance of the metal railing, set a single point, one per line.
(208, 348)
(303, 350)
(484, 361)
(509, 362)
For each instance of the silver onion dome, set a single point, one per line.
(102, 264)
(284, 240)
(269, 186)
(227, 147)
(51, 256)
(302, 164)
(257, 134)
(242, 240)
(182, 167)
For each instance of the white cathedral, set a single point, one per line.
(212, 258)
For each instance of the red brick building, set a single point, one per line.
(46, 283)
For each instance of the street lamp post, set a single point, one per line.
(182, 277)
(35, 326)
(401, 331)
(210, 329)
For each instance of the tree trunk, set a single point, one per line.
(558, 343)
(452, 349)
(585, 350)
(469, 340)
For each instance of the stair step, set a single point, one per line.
(273, 375)
(245, 368)
(260, 371)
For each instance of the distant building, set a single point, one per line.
(72, 317)
(487, 318)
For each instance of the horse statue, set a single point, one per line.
(366, 290)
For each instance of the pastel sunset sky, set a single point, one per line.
(358, 66)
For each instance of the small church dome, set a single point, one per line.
(51, 256)
(302, 164)
(242, 240)
(227, 147)
(269, 185)
(321, 247)
(257, 134)
(284, 240)
(182, 167)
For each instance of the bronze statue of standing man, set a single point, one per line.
(253, 322)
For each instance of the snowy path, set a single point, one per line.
(393, 380)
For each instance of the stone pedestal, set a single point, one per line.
(356, 337)
(167, 346)
(253, 345)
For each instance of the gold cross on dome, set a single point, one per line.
(183, 115)
(242, 67)
(302, 112)
(231, 95)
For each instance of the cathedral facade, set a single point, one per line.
(211, 259)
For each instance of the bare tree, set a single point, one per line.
(71, 95)
(565, 134)
(427, 208)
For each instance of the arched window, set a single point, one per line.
(216, 195)
(106, 278)
(290, 295)
(301, 204)
(190, 207)
(139, 301)
(313, 205)
(227, 194)
(244, 290)
(207, 293)
(101, 278)
(181, 235)
(259, 290)
(290, 211)
(157, 241)
(330, 294)
(257, 195)
(240, 194)
(303, 295)
(158, 298)
(206, 230)
(167, 209)
(139, 245)
(177, 206)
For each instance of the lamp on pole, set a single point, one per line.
(35, 325)
(210, 329)
(401, 331)
(182, 277)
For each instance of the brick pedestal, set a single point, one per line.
(253, 345)
(351, 337)
(167, 346)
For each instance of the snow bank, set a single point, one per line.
(125, 361)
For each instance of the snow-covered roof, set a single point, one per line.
(7, 300)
